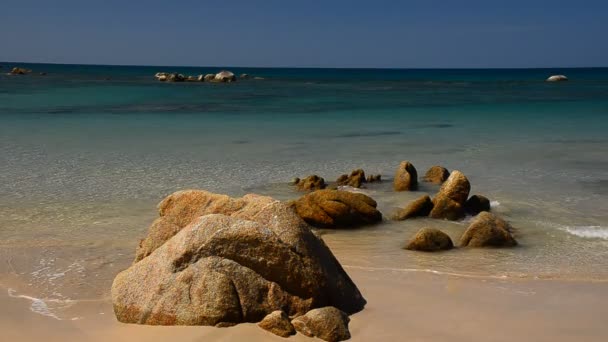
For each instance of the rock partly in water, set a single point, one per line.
(244, 76)
(476, 204)
(436, 175)
(209, 77)
(374, 178)
(311, 183)
(337, 209)
(430, 240)
(277, 322)
(225, 76)
(488, 230)
(557, 78)
(256, 257)
(406, 177)
(328, 323)
(451, 198)
(418, 208)
(355, 179)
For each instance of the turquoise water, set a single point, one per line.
(87, 151)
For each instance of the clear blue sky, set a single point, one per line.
(307, 33)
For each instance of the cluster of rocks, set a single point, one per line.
(210, 259)
(355, 179)
(486, 230)
(452, 201)
(221, 77)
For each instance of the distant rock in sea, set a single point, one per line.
(20, 71)
(222, 261)
(557, 78)
(225, 76)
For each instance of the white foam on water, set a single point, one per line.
(589, 232)
(494, 204)
(40, 306)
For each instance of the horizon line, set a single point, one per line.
(312, 67)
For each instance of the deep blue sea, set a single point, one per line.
(87, 151)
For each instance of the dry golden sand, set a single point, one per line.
(402, 306)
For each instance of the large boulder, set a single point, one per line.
(420, 207)
(436, 175)
(225, 76)
(430, 240)
(328, 323)
(451, 198)
(557, 78)
(337, 209)
(488, 230)
(277, 322)
(406, 177)
(476, 204)
(179, 209)
(355, 179)
(224, 269)
(310, 183)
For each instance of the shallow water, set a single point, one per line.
(84, 160)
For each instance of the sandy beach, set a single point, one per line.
(402, 306)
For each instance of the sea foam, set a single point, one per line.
(589, 232)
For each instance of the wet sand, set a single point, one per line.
(402, 305)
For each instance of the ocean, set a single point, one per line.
(86, 152)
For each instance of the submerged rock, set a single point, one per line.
(488, 230)
(244, 76)
(355, 179)
(420, 207)
(430, 240)
(277, 322)
(406, 177)
(476, 204)
(436, 175)
(449, 201)
(557, 78)
(311, 183)
(256, 257)
(337, 209)
(328, 323)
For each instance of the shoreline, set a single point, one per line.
(401, 305)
